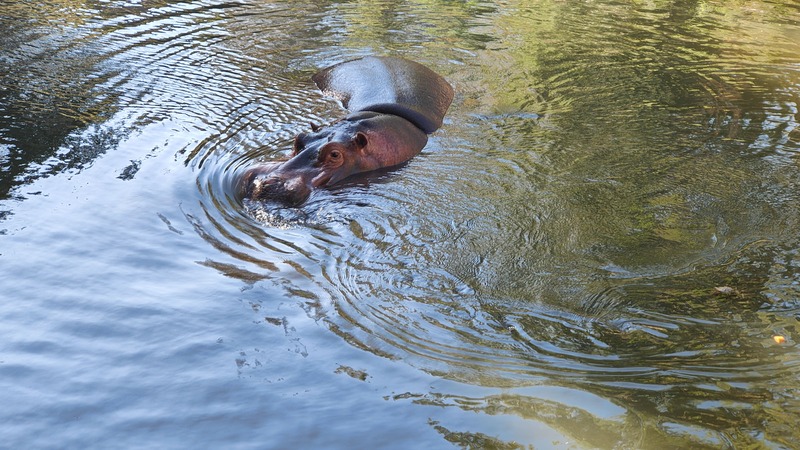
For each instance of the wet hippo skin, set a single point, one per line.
(395, 103)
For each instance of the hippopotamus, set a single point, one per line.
(394, 105)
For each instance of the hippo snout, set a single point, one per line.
(268, 184)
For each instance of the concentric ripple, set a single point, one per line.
(534, 243)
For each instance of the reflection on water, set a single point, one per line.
(601, 242)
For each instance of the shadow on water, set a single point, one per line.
(601, 241)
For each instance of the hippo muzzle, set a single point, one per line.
(269, 183)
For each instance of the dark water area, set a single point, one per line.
(599, 249)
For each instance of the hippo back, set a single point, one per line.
(389, 85)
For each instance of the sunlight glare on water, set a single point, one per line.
(595, 251)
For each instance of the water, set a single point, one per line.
(595, 251)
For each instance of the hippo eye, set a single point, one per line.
(335, 154)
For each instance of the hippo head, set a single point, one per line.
(360, 142)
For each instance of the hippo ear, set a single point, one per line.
(360, 140)
(299, 143)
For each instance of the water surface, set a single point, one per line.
(595, 251)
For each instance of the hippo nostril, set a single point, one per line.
(291, 191)
(262, 187)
